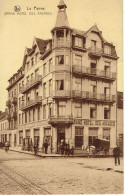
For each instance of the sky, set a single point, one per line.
(18, 31)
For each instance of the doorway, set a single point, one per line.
(60, 136)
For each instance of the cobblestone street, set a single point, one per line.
(22, 174)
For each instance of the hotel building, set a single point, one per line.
(66, 89)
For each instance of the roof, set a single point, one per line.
(3, 115)
(62, 4)
(41, 44)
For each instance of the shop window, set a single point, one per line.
(78, 137)
(60, 85)
(78, 110)
(93, 134)
(78, 42)
(106, 113)
(60, 60)
(36, 137)
(20, 137)
(78, 60)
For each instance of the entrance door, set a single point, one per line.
(60, 136)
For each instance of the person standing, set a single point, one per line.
(116, 154)
(46, 146)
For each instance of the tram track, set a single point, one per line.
(28, 186)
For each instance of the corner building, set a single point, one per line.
(69, 88)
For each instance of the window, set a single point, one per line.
(19, 87)
(44, 112)
(50, 87)
(22, 117)
(50, 109)
(62, 110)
(93, 43)
(78, 110)
(106, 113)
(32, 61)
(19, 102)
(78, 84)
(47, 132)
(44, 90)
(38, 113)
(93, 112)
(19, 119)
(78, 42)
(78, 137)
(27, 79)
(32, 76)
(107, 49)
(50, 65)
(25, 116)
(93, 68)
(106, 93)
(33, 114)
(36, 57)
(28, 65)
(22, 83)
(106, 133)
(29, 115)
(36, 72)
(60, 85)
(60, 60)
(78, 60)
(44, 69)
(14, 92)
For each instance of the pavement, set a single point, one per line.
(91, 162)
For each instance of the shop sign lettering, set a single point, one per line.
(99, 123)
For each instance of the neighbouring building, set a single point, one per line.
(120, 124)
(3, 126)
(66, 89)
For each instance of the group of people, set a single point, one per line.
(65, 149)
(45, 147)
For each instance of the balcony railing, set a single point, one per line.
(31, 83)
(37, 100)
(14, 100)
(89, 96)
(14, 115)
(8, 103)
(61, 94)
(95, 51)
(93, 72)
(65, 120)
(61, 42)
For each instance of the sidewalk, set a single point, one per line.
(92, 163)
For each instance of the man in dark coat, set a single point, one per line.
(46, 146)
(116, 154)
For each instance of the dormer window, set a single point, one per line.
(93, 43)
(78, 42)
(107, 49)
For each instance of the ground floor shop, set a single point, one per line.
(81, 132)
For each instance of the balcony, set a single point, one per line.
(61, 94)
(94, 97)
(60, 120)
(61, 42)
(14, 100)
(94, 73)
(37, 80)
(8, 103)
(8, 117)
(14, 115)
(95, 51)
(62, 67)
(37, 100)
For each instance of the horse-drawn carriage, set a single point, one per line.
(101, 146)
